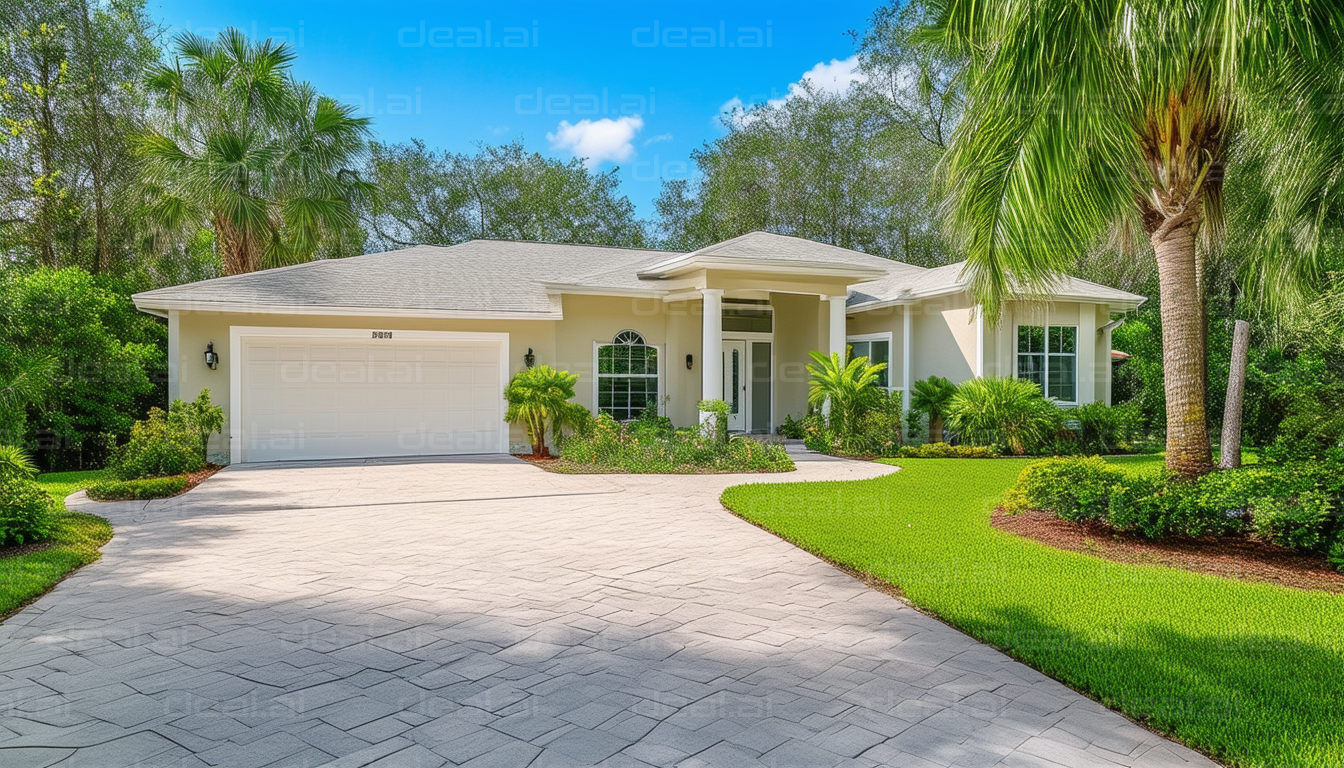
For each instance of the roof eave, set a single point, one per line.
(160, 307)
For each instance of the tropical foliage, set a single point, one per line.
(1132, 119)
(650, 445)
(1004, 411)
(932, 397)
(539, 400)
(238, 145)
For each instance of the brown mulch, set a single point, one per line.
(1235, 557)
(24, 549)
(196, 478)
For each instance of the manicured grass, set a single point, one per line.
(1250, 673)
(24, 578)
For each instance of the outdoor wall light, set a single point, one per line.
(211, 358)
(529, 359)
(690, 362)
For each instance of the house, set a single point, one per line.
(407, 352)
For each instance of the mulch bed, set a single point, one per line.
(1236, 557)
(196, 478)
(24, 549)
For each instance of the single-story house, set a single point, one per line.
(407, 352)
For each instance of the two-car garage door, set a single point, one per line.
(328, 394)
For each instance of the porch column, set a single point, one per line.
(836, 335)
(711, 346)
(837, 326)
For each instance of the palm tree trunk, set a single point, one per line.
(935, 428)
(1236, 394)
(1188, 451)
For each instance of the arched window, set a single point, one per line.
(627, 376)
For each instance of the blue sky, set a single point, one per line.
(627, 84)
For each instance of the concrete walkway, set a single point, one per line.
(484, 612)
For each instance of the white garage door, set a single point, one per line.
(339, 395)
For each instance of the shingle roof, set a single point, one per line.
(519, 278)
(486, 276)
(904, 285)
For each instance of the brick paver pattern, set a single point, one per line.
(485, 612)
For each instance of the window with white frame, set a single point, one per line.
(1048, 355)
(627, 376)
(878, 350)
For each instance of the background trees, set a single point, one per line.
(498, 192)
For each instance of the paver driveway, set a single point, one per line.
(484, 612)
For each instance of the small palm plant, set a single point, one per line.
(538, 397)
(986, 411)
(848, 387)
(932, 396)
(15, 463)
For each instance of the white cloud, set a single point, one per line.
(597, 141)
(658, 138)
(834, 77)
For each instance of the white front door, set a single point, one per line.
(735, 380)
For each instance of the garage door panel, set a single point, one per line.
(315, 398)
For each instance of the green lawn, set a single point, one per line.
(26, 577)
(1250, 673)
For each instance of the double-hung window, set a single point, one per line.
(878, 350)
(1048, 355)
(627, 376)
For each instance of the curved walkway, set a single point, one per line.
(484, 612)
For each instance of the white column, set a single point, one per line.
(836, 336)
(837, 326)
(711, 346)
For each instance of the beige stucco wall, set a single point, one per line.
(796, 334)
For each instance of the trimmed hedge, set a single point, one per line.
(945, 451)
(127, 490)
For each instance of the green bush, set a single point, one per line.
(945, 451)
(1313, 425)
(717, 425)
(151, 488)
(159, 446)
(1298, 522)
(1106, 429)
(1004, 411)
(199, 417)
(14, 462)
(1336, 554)
(26, 511)
(792, 428)
(1073, 488)
(612, 446)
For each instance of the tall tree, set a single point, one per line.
(500, 192)
(828, 167)
(1087, 117)
(237, 144)
(70, 85)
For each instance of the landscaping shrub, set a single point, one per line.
(1004, 411)
(850, 388)
(539, 400)
(611, 445)
(152, 488)
(200, 418)
(932, 397)
(159, 446)
(717, 425)
(792, 428)
(1335, 555)
(14, 462)
(26, 511)
(1313, 426)
(1106, 429)
(945, 451)
(1074, 488)
(1298, 522)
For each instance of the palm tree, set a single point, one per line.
(1007, 410)
(539, 397)
(236, 144)
(932, 396)
(1123, 118)
(848, 387)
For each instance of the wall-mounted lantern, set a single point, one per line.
(529, 359)
(690, 362)
(211, 357)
